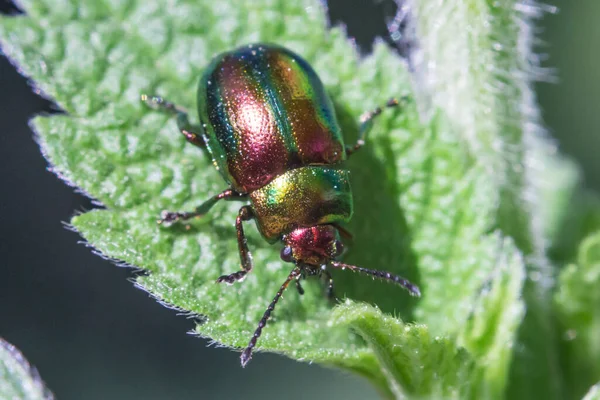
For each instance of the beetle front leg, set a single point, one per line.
(330, 290)
(191, 132)
(299, 286)
(245, 214)
(302, 275)
(167, 217)
(366, 122)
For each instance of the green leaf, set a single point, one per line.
(18, 379)
(475, 63)
(578, 307)
(559, 183)
(489, 333)
(418, 365)
(434, 200)
(593, 393)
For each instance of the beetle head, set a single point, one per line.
(315, 245)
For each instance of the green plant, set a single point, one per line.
(461, 207)
(18, 379)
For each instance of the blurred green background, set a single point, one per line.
(93, 336)
(571, 108)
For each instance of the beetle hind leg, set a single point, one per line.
(245, 214)
(192, 133)
(366, 122)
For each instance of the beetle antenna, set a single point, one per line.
(406, 284)
(247, 354)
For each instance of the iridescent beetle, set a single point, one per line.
(271, 131)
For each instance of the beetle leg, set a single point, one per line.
(366, 121)
(167, 218)
(245, 214)
(247, 354)
(302, 275)
(192, 133)
(299, 286)
(412, 288)
(330, 291)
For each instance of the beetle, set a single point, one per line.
(271, 131)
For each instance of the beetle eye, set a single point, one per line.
(286, 254)
(339, 248)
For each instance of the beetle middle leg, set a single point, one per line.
(366, 122)
(169, 217)
(245, 214)
(192, 133)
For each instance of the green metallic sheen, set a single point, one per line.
(265, 111)
(302, 197)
